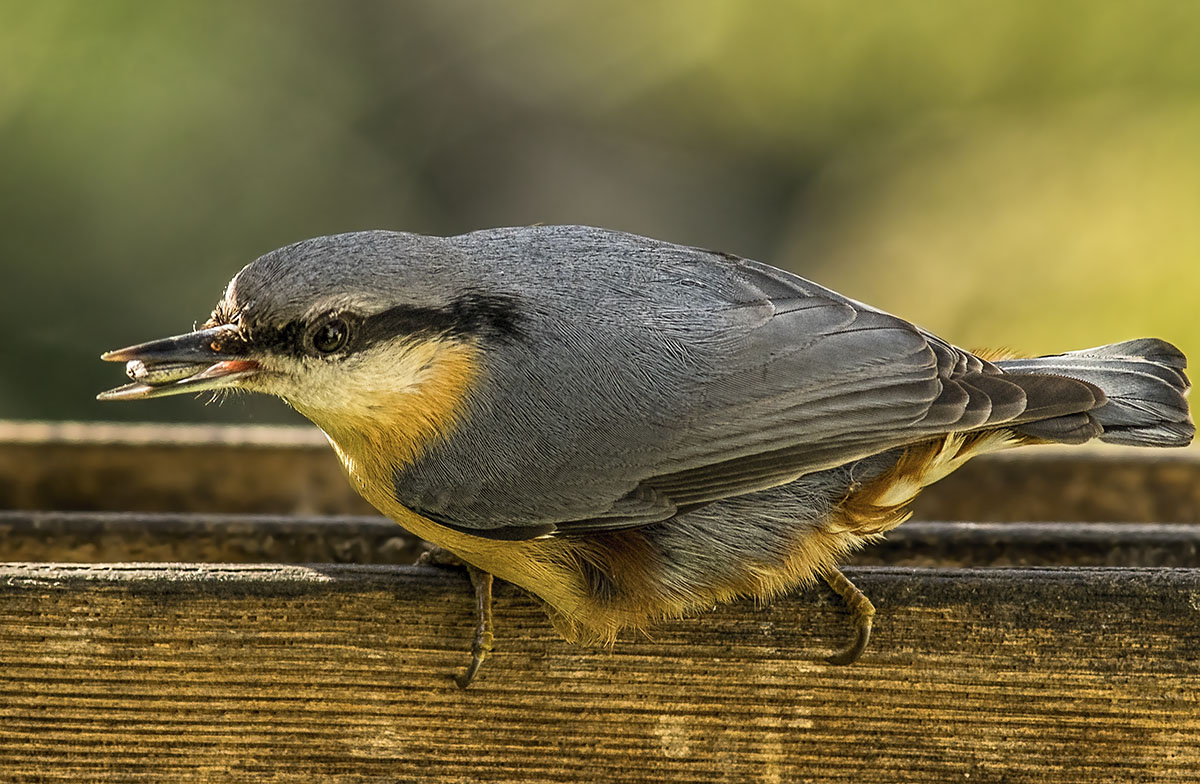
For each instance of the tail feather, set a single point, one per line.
(1144, 383)
(1070, 429)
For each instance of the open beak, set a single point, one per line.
(195, 362)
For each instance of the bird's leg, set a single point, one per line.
(861, 613)
(481, 645)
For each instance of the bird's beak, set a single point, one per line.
(195, 362)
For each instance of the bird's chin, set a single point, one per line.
(161, 379)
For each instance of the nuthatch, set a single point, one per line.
(630, 429)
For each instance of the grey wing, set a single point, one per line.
(856, 386)
(790, 379)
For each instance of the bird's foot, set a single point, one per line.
(481, 581)
(439, 556)
(482, 644)
(861, 614)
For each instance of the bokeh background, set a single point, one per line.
(1022, 174)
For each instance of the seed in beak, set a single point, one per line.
(159, 373)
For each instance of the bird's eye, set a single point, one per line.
(330, 336)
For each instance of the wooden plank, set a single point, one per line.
(98, 537)
(187, 672)
(288, 470)
(156, 468)
(1090, 483)
(967, 544)
(83, 537)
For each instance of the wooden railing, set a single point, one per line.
(271, 633)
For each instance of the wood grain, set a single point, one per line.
(338, 673)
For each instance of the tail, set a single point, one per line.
(1143, 381)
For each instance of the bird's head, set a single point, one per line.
(371, 332)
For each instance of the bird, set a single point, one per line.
(630, 429)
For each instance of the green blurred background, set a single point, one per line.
(1021, 174)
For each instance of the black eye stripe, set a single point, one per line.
(483, 316)
(488, 317)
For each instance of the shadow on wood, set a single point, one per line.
(96, 537)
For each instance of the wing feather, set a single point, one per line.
(729, 377)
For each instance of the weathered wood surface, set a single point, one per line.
(254, 673)
(290, 470)
(96, 537)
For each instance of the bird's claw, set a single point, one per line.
(862, 613)
(484, 639)
(439, 556)
(481, 581)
